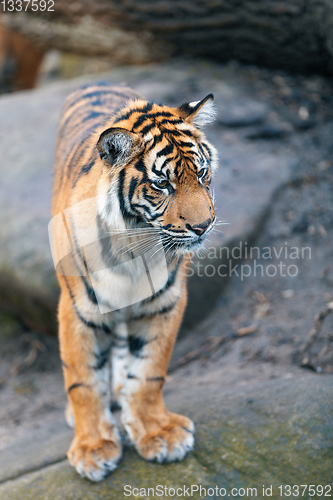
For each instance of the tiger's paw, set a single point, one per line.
(170, 443)
(94, 460)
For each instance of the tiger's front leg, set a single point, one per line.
(96, 447)
(156, 432)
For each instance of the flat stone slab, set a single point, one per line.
(268, 433)
(40, 448)
(249, 175)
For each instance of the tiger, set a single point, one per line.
(131, 179)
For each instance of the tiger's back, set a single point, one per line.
(84, 113)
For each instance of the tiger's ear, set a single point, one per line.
(116, 146)
(199, 113)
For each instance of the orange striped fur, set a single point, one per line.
(131, 177)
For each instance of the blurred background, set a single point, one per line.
(256, 342)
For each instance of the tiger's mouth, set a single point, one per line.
(170, 242)
(189, 239)
(183, 244)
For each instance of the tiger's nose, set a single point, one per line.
(199, 229)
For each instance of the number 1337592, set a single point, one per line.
(25, 5)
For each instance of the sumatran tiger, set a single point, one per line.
(131, 201)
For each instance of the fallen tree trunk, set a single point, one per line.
(291, 34)
(19, 61)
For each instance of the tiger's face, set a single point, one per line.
(160, 164)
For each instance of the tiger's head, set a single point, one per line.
(160, 166)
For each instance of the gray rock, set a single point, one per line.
(304, 124)
(39, 449)
(242, 113)
(275, 432)
(270, 131)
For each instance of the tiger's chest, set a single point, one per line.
(132, 281)
(130, 292)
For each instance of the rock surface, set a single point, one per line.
(248, 177)
(275, 432)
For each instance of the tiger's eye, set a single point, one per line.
(162, 183)
(202, 173)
